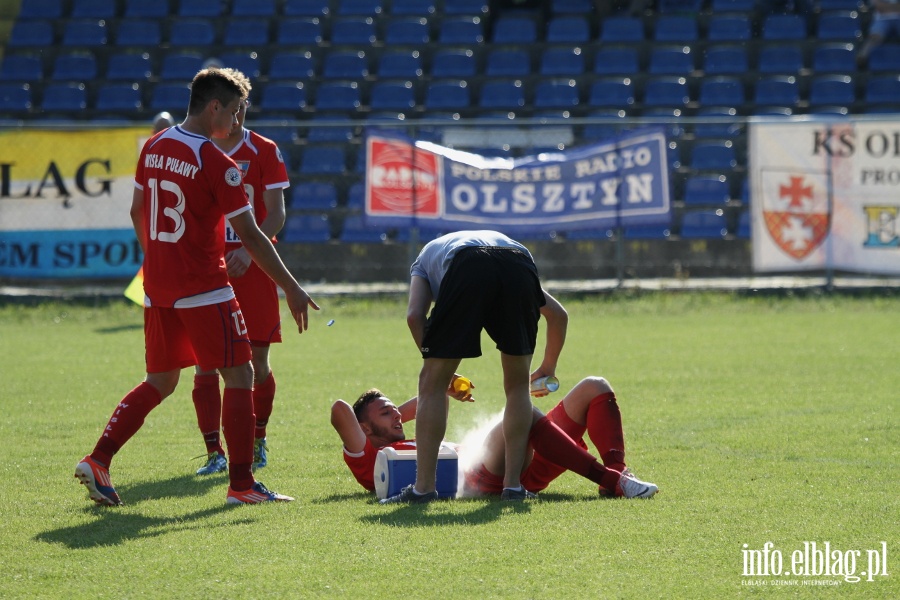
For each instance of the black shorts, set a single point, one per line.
(495, 289)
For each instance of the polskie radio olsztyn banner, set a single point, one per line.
(623, 182)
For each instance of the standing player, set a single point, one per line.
(265, 177)
(184, 186)
(555, 442)
(477, 280)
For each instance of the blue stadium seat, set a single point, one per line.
(31, 34)
(619, 29)
(679, 6)
(780, 59)
(839, 5)
(129, 67)
(192, 32)
(306, 8)
(619, 60)
(558, 61)
(93, 9)
(353, 31)
(671, 60)
(315, 195)
(743, 225)
(679, 29)
(283, 97)
(732, 6)
(612, 93)
(141, 9)
(283, 136)
(557, 93)
(842, 26)
(345, 65)
(180, 66)
(885, 58)
(299, 32)
(834, 58)
(15, 97)
(451, 95)
(339, 129)
(646, 232)
(453, 63)
(64, 97)
(407, 32)
(323, 160)
(356, 196)
(883, 90)
(85, 33)
(198, 8)
(777, 91)
(706, 189)
(418, 8)
(292, 65)
(568, 29)
(669, 92)
(719, 122)
(365, 8)
(392, 95)
(461, 31)
(306, 229)
(21, 67)
(247, 62)
(119, 98)
(835, 90)
(722, 91)
(503, 62)
(502, 94)
(400, 65)
(246, 32)
(138, 32)
(729, 28)
(173, 97)
(338, 96)
(571, 7)
(75, 66)
(254, 8)
(41, 9)
(704, 224)
(778, 27)
(726, 60)
(355, 231)
(708, 155)
(475, 8)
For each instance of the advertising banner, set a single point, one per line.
(65, 198)
(824, 195)
(415, 183)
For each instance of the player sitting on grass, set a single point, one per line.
(555, 442)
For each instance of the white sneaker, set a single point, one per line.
(632, 487)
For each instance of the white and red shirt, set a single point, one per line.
(190, 187)
(262, 168)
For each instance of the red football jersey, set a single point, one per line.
(262, 168)
(189, 185)
(362, 465)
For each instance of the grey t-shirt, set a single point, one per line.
(435, 258)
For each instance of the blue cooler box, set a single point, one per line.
(396, 469)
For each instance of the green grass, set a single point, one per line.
(762, 419)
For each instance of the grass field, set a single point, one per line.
(762, 419)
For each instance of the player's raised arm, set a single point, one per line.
(344, 422)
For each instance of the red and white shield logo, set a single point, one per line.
(796, 210)
(401, 180)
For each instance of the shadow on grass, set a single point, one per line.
(120, 328)
(113, 527)
(182, 486)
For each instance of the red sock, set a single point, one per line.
(263, 398)
(604, 427)
(237, 422)
(125, 421)
(208, 404)
(553, 444)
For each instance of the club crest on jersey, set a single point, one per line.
(233, 177)
(244, 166)
(796, 210)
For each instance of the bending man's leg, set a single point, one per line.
(517, 415)
(431, 418)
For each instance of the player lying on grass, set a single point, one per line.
(555, 442)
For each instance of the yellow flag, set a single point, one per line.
(135, 289)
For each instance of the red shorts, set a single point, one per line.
(539, 472)
(258, 296)
(212, 337)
